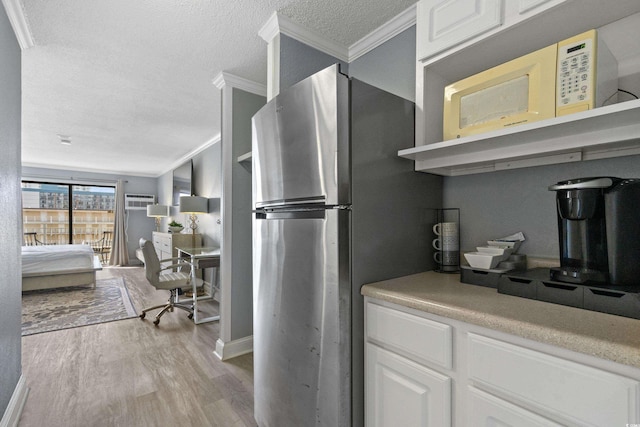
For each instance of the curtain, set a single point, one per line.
(119, 250)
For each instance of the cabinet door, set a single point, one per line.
(442, 24)
(399, 392)
(486, 410)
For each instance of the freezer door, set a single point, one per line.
(298, 138)
(301, 322)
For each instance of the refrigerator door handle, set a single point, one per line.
(297, 212)
(305, 201)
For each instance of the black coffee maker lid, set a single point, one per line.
(584, 183)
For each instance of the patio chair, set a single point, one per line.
(31, 239)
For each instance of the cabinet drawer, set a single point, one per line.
(576, 393)
(415, 337)
(163, 245)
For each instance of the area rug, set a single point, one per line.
(63, 308)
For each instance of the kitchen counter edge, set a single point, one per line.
(602, 335)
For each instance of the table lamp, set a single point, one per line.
(194, 205)
(157, 212)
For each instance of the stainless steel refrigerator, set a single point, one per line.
(334, 208)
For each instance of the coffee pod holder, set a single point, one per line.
(446, 240)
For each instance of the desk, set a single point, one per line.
(205, 257)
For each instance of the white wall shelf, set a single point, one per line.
(245, 158)
(609, 131)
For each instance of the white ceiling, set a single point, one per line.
(130, 82)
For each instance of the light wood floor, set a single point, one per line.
(131, 373)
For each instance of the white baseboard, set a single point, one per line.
(16, 404)
(235, 348)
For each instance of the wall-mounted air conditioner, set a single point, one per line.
(138, 202)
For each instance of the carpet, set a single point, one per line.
(63, 308)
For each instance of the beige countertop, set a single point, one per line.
(602, 335)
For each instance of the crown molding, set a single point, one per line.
(312, 38)
(18, 21)
(384, 33)
(192, 154)
(280, 24)
(224, 79)
(270, 29)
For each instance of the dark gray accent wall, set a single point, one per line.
(207, 171)
(391, 66)
(245, 105)
(207, 175)
(11, 232)
(298, 61)
(500, 203)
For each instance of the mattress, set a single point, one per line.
(56, 258)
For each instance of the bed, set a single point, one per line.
(55, 266)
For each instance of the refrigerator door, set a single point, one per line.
(298, 140)
(301, 319)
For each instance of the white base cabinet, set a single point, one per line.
(166, 243)
(491, 378)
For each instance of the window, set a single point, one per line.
(46, 210)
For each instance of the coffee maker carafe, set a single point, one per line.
(598, 230)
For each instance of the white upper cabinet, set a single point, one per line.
(460, 38)
(446, 23)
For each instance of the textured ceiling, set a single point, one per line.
(131, 81)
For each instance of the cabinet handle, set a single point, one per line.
(559, 286)
(606, 293)
(518, 280)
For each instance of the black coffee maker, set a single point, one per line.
(599, 231)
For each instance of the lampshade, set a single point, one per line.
(194, 204)
(157, 210)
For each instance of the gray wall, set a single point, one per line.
(500, 203)
(298, 61)
(11, 232)
(391, 66)
(245, 105)
(138, 224)
(207, 171)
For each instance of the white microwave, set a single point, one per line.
(576, 74)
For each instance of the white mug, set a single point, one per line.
(445, 228)
(446, 243)
(447, 257)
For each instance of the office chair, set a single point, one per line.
(172, 280)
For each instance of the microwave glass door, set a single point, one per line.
(504, 99)
(519, 91)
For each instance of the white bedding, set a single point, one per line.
(54, 258)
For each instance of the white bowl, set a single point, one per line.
(482, 260)
(495, 250)
(505, 244)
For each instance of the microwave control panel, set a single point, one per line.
(576, 74)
